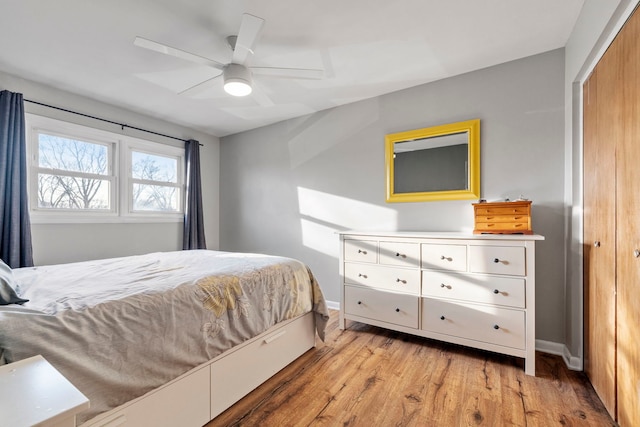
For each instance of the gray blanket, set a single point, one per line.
(119, 328)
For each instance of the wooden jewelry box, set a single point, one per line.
(502, 217)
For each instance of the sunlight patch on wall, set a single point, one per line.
(322, 214)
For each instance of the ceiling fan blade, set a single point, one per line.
(175, 52)
(200, 87)
(248, 36)
(260, 96)
(295, 73)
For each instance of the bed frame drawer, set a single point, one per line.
(204, 392)
(236, 371)
(190, 393)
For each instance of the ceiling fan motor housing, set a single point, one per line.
(237, 79)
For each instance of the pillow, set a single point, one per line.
(7, 294)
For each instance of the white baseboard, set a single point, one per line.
(573, 362)
(333, 305)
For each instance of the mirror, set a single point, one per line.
(435, 163)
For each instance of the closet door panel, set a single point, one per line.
(628, 234)
(600, 107)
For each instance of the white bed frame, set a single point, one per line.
(200, 395)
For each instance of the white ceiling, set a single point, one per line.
(367, 48)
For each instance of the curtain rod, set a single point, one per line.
(122, 125)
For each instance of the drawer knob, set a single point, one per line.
(496, 327)
(360, 251)
(441, 317)
(496, 260)
(359, 302)
(596, 244)
(495, 291)
(397, 310)
(442, 285)
(401, 281)
(362, 275)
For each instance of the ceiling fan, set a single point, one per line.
(237, 77)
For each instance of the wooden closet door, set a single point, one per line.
(599, 231)
(628, 234)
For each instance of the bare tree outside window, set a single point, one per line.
(73, 174)
(154, 182)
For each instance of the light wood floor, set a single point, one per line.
(368, 376)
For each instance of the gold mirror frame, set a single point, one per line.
(471, 127)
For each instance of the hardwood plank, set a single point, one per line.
(369, 376)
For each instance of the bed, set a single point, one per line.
(170, 338)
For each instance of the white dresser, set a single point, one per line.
(474, 290)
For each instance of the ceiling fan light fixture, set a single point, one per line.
(237, 88)
(237, 80)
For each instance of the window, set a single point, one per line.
(154, 181)
(82, 174)
(73, 174)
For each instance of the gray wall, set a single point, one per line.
(61, 243)
(286, 188)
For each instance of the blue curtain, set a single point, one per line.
(15, 227)
(193, 236)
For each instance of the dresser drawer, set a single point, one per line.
(376, 276)
(444, 257)
(502, 226)
(506, 291)
(488, 324)
(503, 218)
(361, 250)
(399, 309)
(503, 210)
(400, 254)
(497, 260)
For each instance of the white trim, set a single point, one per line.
(333, 305)
(573, 362)
(52, 218)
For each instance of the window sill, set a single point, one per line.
(38, 218)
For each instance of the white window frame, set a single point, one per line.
(147, 147)
(119, 175)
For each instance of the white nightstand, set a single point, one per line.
(34, 393)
